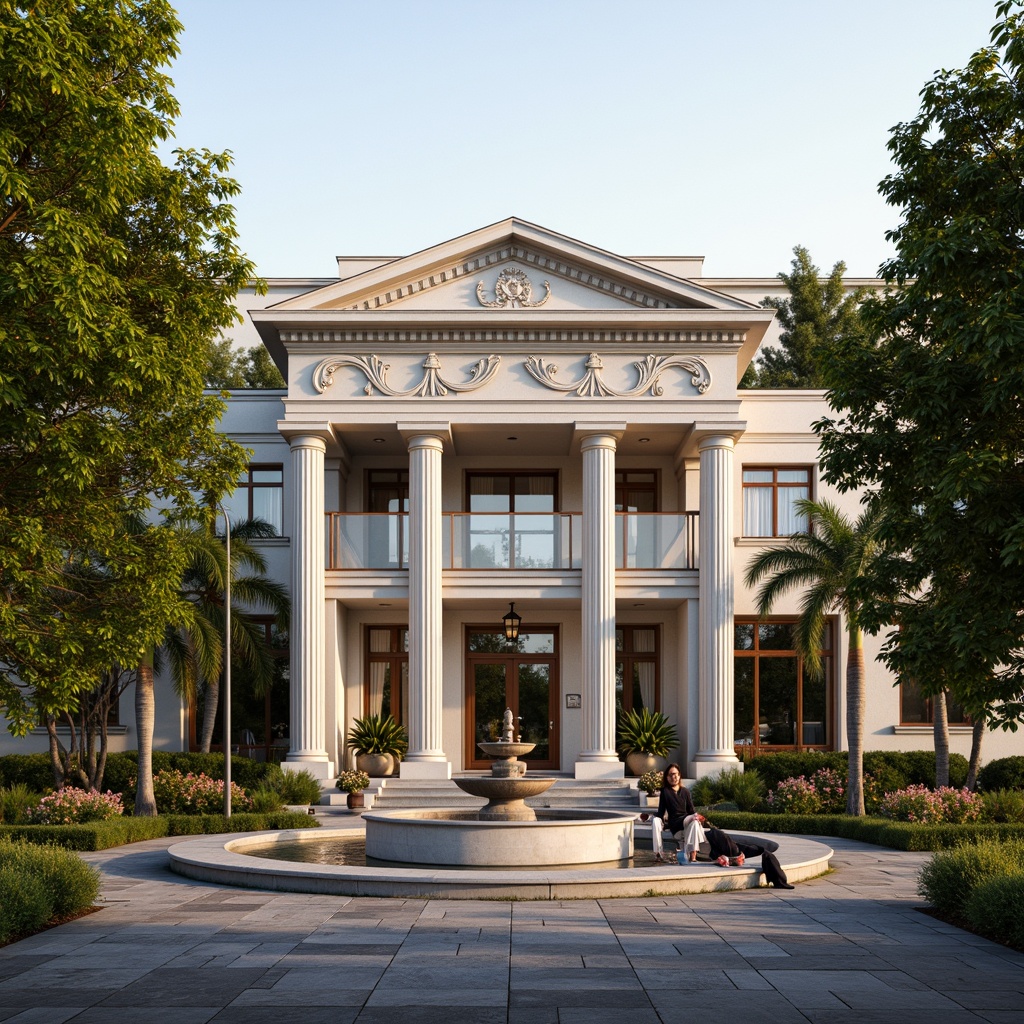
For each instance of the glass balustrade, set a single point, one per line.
(517, 541)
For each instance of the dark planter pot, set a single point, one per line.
(355, 800)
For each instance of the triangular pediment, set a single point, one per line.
(512, 265)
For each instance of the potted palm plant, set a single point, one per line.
(379, 743)
(646, 738)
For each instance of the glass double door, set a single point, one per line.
(521, 675)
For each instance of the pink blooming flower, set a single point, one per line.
(70, 806)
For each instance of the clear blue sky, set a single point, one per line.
(728, 130)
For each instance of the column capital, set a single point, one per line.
(431, 428)
(298, 434)
(716, 434)
(602, 433)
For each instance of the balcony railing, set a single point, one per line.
(524, 541)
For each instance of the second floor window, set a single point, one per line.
(770, 494)
(259, 495)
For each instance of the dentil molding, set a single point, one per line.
(650, 370)
(433, 385)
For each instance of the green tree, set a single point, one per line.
(929, 412)
(832, 563)
(116, 274)
(194, 648)
(229, 367)
(816, 316)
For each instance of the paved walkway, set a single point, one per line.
(849, 947)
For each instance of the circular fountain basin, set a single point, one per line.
(556, 837)
(223, 860)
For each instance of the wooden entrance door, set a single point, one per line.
(521, 675)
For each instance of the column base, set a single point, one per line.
(600, 769)
(318, 766)
(700, 769)
(426, 770)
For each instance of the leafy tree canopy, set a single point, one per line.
(929, 415)
(817, 315)
(229, 367)
(116, 274)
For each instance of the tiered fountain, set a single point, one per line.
(505, 832)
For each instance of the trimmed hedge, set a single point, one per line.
(891, 769)
(949, 879)
(102, 835)
(897, 835)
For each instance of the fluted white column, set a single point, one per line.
(715, 731)
(426, 757)
(598, 758)
(308, 710)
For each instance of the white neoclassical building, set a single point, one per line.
(517, 417)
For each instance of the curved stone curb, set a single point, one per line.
(223, 861)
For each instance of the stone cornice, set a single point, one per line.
(515, 253)
(514, 335)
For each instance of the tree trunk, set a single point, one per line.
(940, 733)
(977, 735)
(211, 698)
(855, 722)
(145, 711)
(56, 765)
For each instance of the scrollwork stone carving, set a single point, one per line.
(650, 369)
(433, 385)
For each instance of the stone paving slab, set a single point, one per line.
(848, 948)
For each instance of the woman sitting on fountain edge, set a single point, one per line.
(687, 826)
(676, 806)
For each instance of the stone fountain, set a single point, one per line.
(505, 832)
(507, 789)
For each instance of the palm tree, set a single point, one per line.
(830, 562)
(194, 647)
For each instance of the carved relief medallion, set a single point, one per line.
(512, 290)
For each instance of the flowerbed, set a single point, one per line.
(932, 807)
(71, 806)
(194, 794)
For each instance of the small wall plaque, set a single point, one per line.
(573, 700)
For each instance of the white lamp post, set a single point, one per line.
(226, 696)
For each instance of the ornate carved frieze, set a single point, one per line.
(548, 264)
(433, 385)
(650, 369)
(512, 290)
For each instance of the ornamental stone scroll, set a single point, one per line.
(650, 369)
(433, 385)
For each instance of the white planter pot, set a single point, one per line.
(639, 764)
(377, 766)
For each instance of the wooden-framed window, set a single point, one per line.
(770, 494)
(778, 704)
(387, 671)
(259, 495)
(917, 709)
(636, 490)
(387, 490)
(637, 668)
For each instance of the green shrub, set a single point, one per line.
(265, 800)
(996, 908)
(786, 764)
(15, 802)
(1002, 773)
(643, 731)
(299, 787)
(32, 770)
(704, 792)
(25, 904)
(951, 876)
(1003, 805)
(71, 884)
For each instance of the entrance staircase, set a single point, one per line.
(396, 793)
